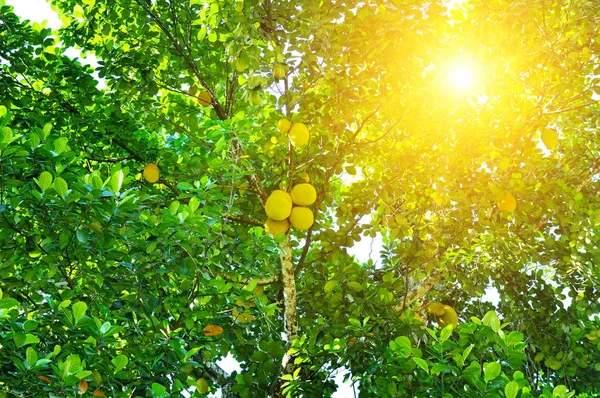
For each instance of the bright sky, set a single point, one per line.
(38, 11)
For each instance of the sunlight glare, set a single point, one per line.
(462, 75)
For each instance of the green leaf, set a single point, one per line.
(31, 356)
(251, 285)
(61, 187)
(22, 339)
(158, 389)
(79, 309)
(422, 364)
(193, 204)
(47, 129)
(491, 319)
(64, 304)
(70, 366)
(491, 370)
(82, 235)
(60, 144)
(3, 110)
(8, 303)
(559, 391)
(403, 341)
(355, 286)
(44, 181)
(29, 325)
(83, 374)
(511, 389)
(120, 362)
(105, 327)
(329, 286)
(446, 332)
(78, 11)
(116, 181)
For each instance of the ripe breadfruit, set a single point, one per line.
(304, 194)
(151, 173)
(299, 134)
(507, 203)
(274, 227)
(301, 218)
(449, 317)
(436, 309)
(279, 205)
(284, 125)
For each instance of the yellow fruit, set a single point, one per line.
(449, 317)
(279, 205)
(151, 173)
(436, 309)
(299, 134)
(304, 194)
(503, 164)
(301, 218)
(279, 71)
(507, 203)
(549, 138)
(204, 98)
(202, 385)
(284, 125)
(274, 227)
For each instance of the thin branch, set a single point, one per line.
(261, 282)
(570, 109)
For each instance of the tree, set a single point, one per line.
(115, 285)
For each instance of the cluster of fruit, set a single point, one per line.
(444, 313)
(285, 209)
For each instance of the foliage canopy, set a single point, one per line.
(136, 288)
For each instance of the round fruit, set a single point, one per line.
(449, 317)
(298, 134)
(436, 309)
(284, 125)
(304, 194)
(507, 203)
(550, 138)
(204, 98)
(274, 227)
(302, 218)
(202, 385)
(279, 205)
(151, 173)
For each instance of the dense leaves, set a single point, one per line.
(119, 284)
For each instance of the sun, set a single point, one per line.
(462, 75)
